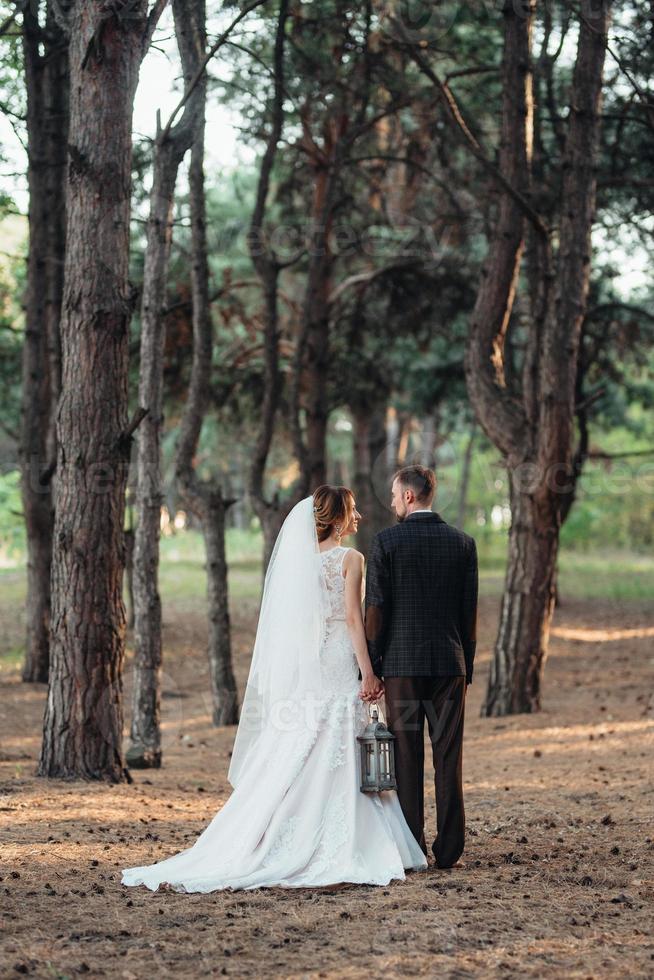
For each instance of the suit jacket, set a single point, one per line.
(421, 599)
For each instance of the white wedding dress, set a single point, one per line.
(297, 817)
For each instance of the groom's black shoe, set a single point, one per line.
(449, 867)
(447, 856)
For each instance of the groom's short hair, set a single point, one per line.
(420, 479)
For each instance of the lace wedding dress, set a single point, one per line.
(297, 817)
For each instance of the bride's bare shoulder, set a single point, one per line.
(353, 559)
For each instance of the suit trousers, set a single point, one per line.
(442, 701)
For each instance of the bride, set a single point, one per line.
(297, 817)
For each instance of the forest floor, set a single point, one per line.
(559, 861)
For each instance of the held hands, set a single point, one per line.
(372, 688)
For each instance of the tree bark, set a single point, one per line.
(514, 683)
(371, 478)
(57, 94)
(342, 125)
(46, 83)
(144, 749)
(465, 480)
(310, 367)
(223, 684)
(405, 421)
(271, 513)
(499, 414)
(206, 499)
(540, 449)
(82, 736)
(129, 575)
(566, 293)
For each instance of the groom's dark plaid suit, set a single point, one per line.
(421, 626)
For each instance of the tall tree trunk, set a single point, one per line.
(502, 418)
(465, 480)
(46, 83)
(129, 575)
(271, 520)
(309, 385)
(392, 438)
(271, 513)
(526, 611)
(82, 736)
(144, 749)
(430, 438)
(206, 499)
(362, 483)
(57, 96)
(536, 434)
(539, 505)
(223, 684)
(405, 422)
(371, 477)
(316, 358)
(566, 294)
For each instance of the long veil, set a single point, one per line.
(285, 670)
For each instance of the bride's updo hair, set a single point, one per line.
(332, 505)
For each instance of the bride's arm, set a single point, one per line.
(371, 686)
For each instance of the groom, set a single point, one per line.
(421, 627)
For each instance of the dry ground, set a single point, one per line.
(558, 882)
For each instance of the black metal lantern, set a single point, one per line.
(377, 756)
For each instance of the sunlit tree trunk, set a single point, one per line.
(205, 499)
(535, 433)
(82, 735)
(170, 146)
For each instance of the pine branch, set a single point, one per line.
(456, 118)
(205, 61)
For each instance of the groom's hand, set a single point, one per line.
(379, 693)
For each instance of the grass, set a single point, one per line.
(602, 575)
(12, 657)
(182, 570)
(12, 588)
(608, 575)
